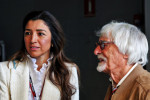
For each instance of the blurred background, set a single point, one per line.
(79, 19)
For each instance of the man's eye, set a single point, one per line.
(41, 34)
(105, 44)
(27, 33)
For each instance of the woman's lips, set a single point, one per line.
(34, 48)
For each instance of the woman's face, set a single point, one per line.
(37, 37)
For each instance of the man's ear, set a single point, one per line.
(125, 56)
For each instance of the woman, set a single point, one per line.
(40, 70)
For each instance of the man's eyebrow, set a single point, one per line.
(105, 41)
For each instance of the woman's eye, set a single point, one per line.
(41, 34)
(27, 33)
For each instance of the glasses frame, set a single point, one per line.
(102, 44)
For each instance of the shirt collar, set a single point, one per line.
(33, 61)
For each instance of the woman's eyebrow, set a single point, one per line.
(41, 30)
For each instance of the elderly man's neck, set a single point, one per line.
(119, 72)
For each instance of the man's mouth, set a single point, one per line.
(101, 60)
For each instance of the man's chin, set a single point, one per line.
(101, 68)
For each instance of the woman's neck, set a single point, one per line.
(40, 61)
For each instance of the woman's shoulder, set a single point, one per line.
(4, 71)
(4, 62)
(74, 73)
(9, 64)
(4, 65)
(71, 66)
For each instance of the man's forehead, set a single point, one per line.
(106, 36)
(104, 39)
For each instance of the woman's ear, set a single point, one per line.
(51, 45)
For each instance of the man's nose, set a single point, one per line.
(97, 50)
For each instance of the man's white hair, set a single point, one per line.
(129, 40)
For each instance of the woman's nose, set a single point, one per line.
(97, 50)
(33, 38)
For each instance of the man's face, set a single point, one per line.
(108, 55)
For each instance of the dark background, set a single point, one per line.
(79, 31)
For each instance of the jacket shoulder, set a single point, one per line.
(5, 65)
(70, 64)
(144, 80)
(4, 73)
(72, 67)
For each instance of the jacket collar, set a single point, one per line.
(138, 70)
(19, 84)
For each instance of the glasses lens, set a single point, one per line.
(102, 46)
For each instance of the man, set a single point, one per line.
(122, 51)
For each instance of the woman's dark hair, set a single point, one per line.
(59, 74)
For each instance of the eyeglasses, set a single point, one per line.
(102, 44)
